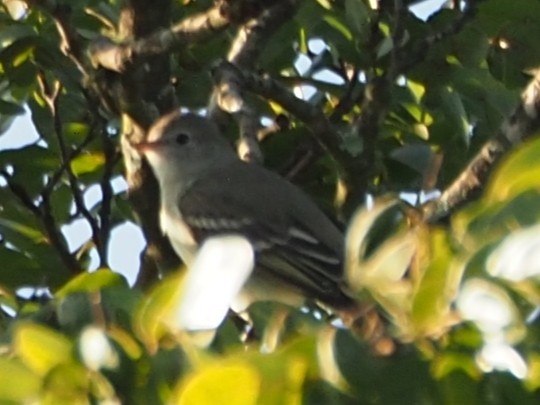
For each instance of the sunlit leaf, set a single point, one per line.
(150, 317)
(28, 232)
(89, 282)
(87, 163)
(532, 382)
(237, 383)
(41, 348)
(448, 363)
(357, 241)
(19, 384)
(517, 173)
(437, 287)
(339, 26)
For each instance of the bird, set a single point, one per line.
(207, 191)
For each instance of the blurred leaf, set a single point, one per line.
(74, 312)
(416, 156)
(363, 235)
(403, 378)
(19, 384)
(150, 317)
(517, 173)
(460, 389)
(532, 382)
(283, 373)
(235, 382)
(436, 288)
(41, 348)
(451, 362)
(67, 384)
(126, 341)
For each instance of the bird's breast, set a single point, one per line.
(179, 234)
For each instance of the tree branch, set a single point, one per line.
(409, 56)
(117, 57)
(245, 51)
(268, 88)
(51, 96)
(44, 215)
(520, 125)
(71, 44)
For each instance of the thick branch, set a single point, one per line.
(521, 124)
(196, 28)
(268, 88)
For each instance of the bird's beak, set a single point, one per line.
(143, 146)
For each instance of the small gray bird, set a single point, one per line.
(206, 191)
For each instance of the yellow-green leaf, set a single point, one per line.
(234, 383)
(517, 173)
(151, 316)
(18, 383)
(436, 289)
(90, 282)
(87, 163)
(41, 348)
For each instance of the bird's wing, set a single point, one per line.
(285, 246)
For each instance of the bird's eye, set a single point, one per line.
(182, 138)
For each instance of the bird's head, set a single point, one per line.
(184, 143)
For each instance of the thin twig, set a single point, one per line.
(43, 214)
(21, 194)
(52, 99)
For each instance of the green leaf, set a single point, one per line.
(339, 26)
(496, 14)
(19, 269)
(25, 230)
(358, 15)
(14, 31)
(8, 108)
